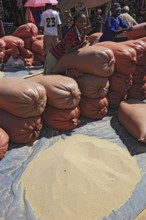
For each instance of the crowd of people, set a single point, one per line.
(66, 31)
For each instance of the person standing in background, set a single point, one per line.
(98, 20)
(66, 20)
(50, 22)
(37, 16)
(129, 20)
(112, 24)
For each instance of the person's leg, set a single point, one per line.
(50, 63)
(47, 44)
(54, 40)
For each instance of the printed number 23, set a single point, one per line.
(50, 22)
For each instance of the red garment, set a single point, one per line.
(29, 16)
(72, 37)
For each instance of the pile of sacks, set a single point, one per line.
(23, 48)
(28, 104)
(94, 78)
(63, 96)
(125, 66)
(92, 66)
(21, 106)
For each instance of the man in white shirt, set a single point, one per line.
(50, 22)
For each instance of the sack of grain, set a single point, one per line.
(137, 91)
(93, 86)
(12, 41)
(138, 31)
(125, 57)
(4, 141)
(62, 91)
(140, 48)
(26, 30)
(93, 108)
(120, 83)
(131, 114)
(94, 60)
(22, 98)
(61, 119)
(21, 130)
(114, 99)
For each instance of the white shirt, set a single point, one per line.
(50, 19)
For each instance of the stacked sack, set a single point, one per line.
(138, 88)
(12, 46)
(131, 114)
(27, 32)
(21, 106)
(63, 97)
(94, 89)
(4, 141)
(125, 65)
(32, 41)
(94, 38)
(37, 48)
(138, 31)
(96, 64)
(24, 45)
(2, 50)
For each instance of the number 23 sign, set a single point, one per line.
(50, 22)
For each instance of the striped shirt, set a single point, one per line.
(72, 37)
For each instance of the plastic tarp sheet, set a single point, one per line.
(18, 157)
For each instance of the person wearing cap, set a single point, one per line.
(129, 20)
(50, 21)
(113, 23)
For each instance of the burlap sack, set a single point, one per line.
(93, 86)
(22, 98)
(2, 44)
(94, 60)
(21, 130)
(28, 42)
(25, 53)
(37, 47)
(131, 115)
(120, 83)
(137, 91)
(139, 77)
(137, 31)
(140, 48)
(114, 99)
(4, 141)
(12, 42)
(61, 119)
(62, 91)
(93, 37)
(93, 108)
(2, 55)
(39, 37)
(125, 57)
(26, 30)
